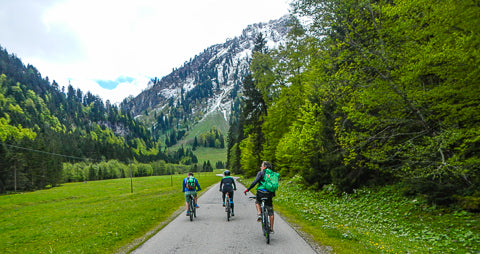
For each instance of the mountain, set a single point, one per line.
(204, 87)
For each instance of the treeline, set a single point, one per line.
(113, 169)
(43, 125)
(214, 138)
(368, 92)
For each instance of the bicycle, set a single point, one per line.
(265, 218)
(228, 206)
(191, 207)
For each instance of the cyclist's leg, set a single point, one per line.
(231, 201)
(271, 215)
(187, 199)
(258, 206)
(223, 197)
(258, 202)
(195, 199)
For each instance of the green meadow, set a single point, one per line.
(376, 220)
(90, 217)
(210, 154)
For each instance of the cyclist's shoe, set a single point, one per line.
(223, 204)
(196, 206)
(188, 213)
(272, 232)
(259, 218)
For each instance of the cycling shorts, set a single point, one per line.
(187, 195)
(268, 202)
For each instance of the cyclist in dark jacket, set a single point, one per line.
(262, 192)
(228, 185)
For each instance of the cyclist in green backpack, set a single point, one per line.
(263, 192)
(190, 185)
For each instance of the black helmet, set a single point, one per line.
(226, 173)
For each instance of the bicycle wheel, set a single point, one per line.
(228, 211)
(191, 208)
(266, 225)
(227, 207)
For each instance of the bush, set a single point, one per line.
(469, 203)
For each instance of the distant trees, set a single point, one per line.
(214, 138)
(113, 169)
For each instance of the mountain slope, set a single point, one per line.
(205, 85)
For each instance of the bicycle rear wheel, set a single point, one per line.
(191, 208)
(228, 207)
(266, 225)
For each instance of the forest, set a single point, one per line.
(43, 127)
(368, 93)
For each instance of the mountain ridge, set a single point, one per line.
(208, 83)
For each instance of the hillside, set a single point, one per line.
(42, 126)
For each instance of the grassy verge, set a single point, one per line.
(376, 221)
(91, 217)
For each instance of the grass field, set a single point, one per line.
(211, 154)
(91, 217)
(378, 220)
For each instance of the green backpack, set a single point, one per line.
(191, 183)
(271, 180)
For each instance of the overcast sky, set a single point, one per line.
(83, 41)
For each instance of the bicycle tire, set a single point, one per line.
(227, 207)
(191, 208)
(228, 212)
(266, 224)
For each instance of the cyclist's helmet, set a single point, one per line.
(226, 173)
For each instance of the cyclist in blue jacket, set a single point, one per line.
(262, 192)
(187, 189)
(228, 185)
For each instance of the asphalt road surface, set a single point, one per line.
(210, 232)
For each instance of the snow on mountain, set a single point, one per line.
(204, 84)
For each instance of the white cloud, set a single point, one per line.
(122, 91)
(83, 40)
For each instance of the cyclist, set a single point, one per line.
(262, 192)
(188, 191)
(228, 185)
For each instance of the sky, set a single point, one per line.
(113, 47)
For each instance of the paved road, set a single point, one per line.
(210, 232)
